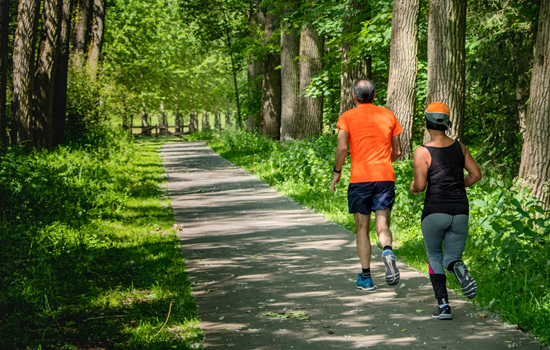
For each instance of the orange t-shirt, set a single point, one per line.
(370, 130)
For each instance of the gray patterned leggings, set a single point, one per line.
(441, 228)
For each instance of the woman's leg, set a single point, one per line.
(455, 240)
(434, 229)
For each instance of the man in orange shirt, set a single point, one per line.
(373, 135)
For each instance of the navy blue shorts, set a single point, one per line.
(366, 197)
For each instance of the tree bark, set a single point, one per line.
(205, 122)
(217, 121)
(535, 157)
(255, 66)
(82, 28)
(44, 78)
(311, 63)
(178, 121)
(23, 71)
(271, 85)
(352, 71)
(403, 68)
(4, 38)
(59, 112)
(227, 119)
(290, 85)
(96, 38)
(446, 60)
(192, 122)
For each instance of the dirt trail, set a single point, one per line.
(270, 274)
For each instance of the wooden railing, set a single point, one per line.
(158, 130)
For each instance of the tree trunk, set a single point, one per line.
(217, 121)
(4, 41)
(205, 122)
(535, 156)
(311, 63)
(59, 112)
(446, 60)
(290, 85)
(255, 66)
(145, 120)
(227, 119)
(23, 71)
(177, 121)
(44, 78)
(271, 85)
(82, 28)
(96, 43)
(352, 71)
(192, 122)
(403, 68)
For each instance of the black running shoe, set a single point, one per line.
(467, 282)
(392, 273)
(443, 313)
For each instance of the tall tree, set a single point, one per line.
(290, 85)
(96, 37)
(446, 59)
(311, 63)
(205, 122)
(82, 27)
(59, 112)
(255, 63)
(4, 37)
(23, 70)
(45, 74)
(352, 70)
(403, 68)
(535, 157)
(271, 84)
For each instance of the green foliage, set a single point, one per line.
(89, 257)
(507, 248)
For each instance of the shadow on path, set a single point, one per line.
(270, 274)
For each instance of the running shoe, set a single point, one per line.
(364, 283)
(392, 273)
(467, 282)
(443, 313)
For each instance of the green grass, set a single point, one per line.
(89, 255)
(507, 248)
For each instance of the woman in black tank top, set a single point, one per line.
(441, 163)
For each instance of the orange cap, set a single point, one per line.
(438, 107)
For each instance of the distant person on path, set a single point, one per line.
(446, 209)
(372, 133)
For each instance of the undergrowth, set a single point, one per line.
(507, 249)
(89, 258)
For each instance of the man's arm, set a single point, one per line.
(395, 148)
(339, 157)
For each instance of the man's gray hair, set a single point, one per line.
(364, 90)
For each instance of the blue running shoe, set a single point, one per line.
(392, 273)
(364, 283)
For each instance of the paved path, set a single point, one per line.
(257, 258)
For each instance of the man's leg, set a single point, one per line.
(364, 281)
(382, 220)
(362, 222)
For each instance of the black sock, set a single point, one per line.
(438, 284)
(387, 247)
(366, 273)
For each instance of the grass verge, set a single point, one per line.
(90, 256)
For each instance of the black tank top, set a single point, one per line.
(446, 191)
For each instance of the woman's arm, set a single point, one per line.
(422, 161)
(474, 174)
